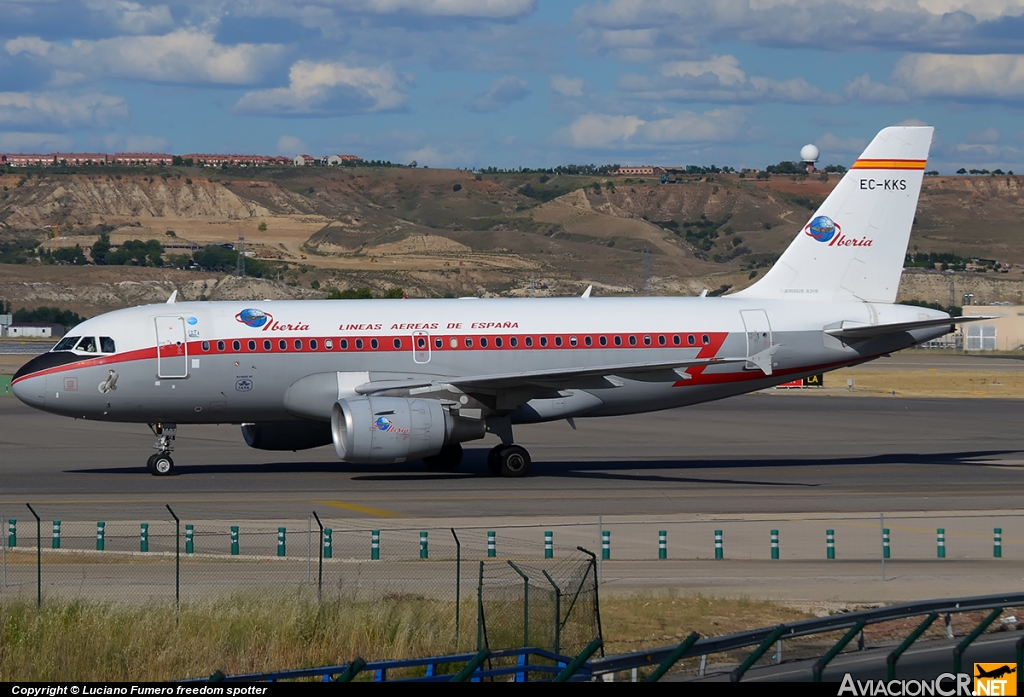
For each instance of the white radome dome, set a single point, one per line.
(809, 153)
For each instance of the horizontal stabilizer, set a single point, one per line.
(531, 377)
(866, 331)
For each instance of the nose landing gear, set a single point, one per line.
(161, 464)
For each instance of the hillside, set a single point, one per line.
(438, 232)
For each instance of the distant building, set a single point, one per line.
(35, 330)
(1004, 333)
(216, 160)
(303, 160)
(27, 160)
(639, 171)
(79, 158)
(334, 160)
(141, 158)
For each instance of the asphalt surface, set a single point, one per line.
(762, 453)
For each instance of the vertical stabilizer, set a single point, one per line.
(853, 247)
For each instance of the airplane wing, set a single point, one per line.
(866, 331)
(498, 381)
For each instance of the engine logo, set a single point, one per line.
(253, 318)
(384, 424)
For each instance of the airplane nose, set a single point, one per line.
(30, 390)
(29, 383)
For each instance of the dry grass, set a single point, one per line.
(250, 632)
(932, 382)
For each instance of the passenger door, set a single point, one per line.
(171, 347)
(421, 347)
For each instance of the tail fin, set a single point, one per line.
(853, 248)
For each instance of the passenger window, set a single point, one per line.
(236, 345)
(558, 341)
(67, 343)
(343, 344)
(298, 344)
(438, 342)
(647, 341)
(497, 342)
(206, 345)
(469, 342)
(529, 341)
(107, 345)
(87, 344)
(220, 346)
(374, 344)
(513, 342)
(572, 341)
(603, 341)
(397, 343)
(313, 344)
(676, 340)
(283, 345)
(661, 340)
(359, 344)
(690, 340)
(705, 339)
(252, 344)
(453, 342)
(589, 341)
(632, 340)
(543, 341)
(618, 340)
(267, 345)
(483, 342)
(329, 344)
(421, 342)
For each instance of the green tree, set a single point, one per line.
(100, 249)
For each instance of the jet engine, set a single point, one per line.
(287, 435)
(383, 430)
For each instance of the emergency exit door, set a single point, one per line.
(759, 334)
(171, 348)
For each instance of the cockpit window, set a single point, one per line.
(67, 343)
(107, 345)
(87, 345)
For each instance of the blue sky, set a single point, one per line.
(510, 83)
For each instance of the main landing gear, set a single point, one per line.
(448, 460)
(508, 461)
(161, 464)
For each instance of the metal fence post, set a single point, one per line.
(458, 586)
(375, 544)
(320, 572)
(775, 544)
(940, 535)
(526, 603)
(144, 537)
(234, 540)
(280, 542)
(12, 533)
(719, 549)
(492, 548)
(424, 554)
(328, 543)
(101, 536)
(662, 544)
(39, 557)
(177, 558)
(558, 611)
(830, 544)
(56, 535)
(997, 543)
(480, 609)
(549, 544)
(606, 545)
(190, 532)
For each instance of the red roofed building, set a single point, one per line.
(141, 158)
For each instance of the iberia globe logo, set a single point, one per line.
(253, 318)
(822, 228)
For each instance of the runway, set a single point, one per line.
(757, 454)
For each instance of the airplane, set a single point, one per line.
(385, 381)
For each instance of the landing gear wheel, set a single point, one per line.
(494, 460)
(515, 461)
(160, 465)
(447, 460)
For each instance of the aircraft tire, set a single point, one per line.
(160, 465)
(515, 461)
(494, 460)
(447, 460)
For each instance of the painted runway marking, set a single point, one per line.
(375, 512)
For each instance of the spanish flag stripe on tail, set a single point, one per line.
(889, 164)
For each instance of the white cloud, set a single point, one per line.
(503, 91)
(131, 16)
(633, 28)
(994, 76)
(17, 141)
(60, 109)
(720, 79)
(329, 88)
(182, 56)
(567, 86)
(866, 89)
(484, 9)
(123, 143)
(988, 135)
(291, 145)
(605, 131)
(830, 143)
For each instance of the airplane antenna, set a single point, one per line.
(240, 264)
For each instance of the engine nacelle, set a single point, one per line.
(287, 435)
(383, 430)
